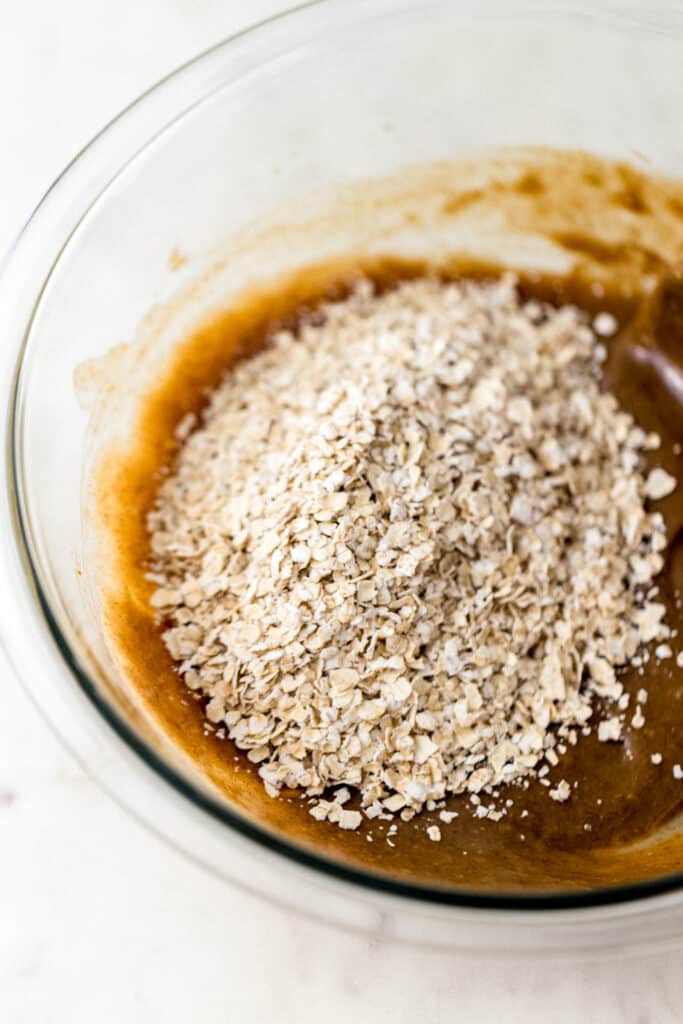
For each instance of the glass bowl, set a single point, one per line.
(326, 95)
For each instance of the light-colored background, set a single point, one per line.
(99, 920)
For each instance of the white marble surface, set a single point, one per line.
(98, 919)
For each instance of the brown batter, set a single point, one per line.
(603, 834)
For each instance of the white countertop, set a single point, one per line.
(98, 919)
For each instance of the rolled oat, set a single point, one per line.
(405, 550)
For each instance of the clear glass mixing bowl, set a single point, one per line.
(329, 93)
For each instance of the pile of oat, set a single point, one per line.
(405, 550)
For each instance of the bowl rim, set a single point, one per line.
(376, 883)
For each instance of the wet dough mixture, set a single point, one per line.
(602, 835)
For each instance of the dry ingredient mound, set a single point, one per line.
(405, 549)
